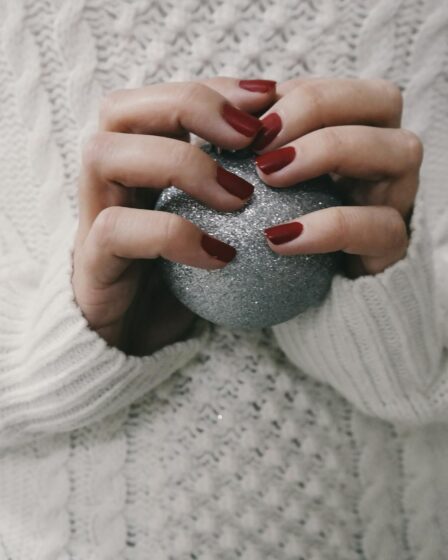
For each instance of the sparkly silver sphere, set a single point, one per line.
(258, 288)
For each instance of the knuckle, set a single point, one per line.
(192, 91)
(315, 96)
(291, 85)
(93, 149)
(393, 94)
(171, 229)
(341, 226)
(108, 107)
(414, 147)
(332, 148)
(184, 156)
(397, 236)
(105, 226)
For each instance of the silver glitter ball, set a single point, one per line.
(258, 288)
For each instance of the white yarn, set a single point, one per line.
(378, 33)
(329, 445)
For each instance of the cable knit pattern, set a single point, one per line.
(98, 458)
(250, 468)
(379, 504)
(421, 493)
(322, 438)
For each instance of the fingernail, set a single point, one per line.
(273, 161)
(242, 122)
(272, 125)
(284, 232)
(217, 249)
(258, 86)
(233, 184)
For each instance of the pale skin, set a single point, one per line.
(350, 129)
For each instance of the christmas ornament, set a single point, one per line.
(258, 288)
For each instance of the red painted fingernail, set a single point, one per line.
(242, 122)
(272, 125)
(284, 232)
(233, 184)
(258, 86)
(217, 249)
(273, 161)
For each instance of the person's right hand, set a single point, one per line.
(143, 146)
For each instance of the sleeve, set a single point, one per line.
(56, 374)
(380, 340)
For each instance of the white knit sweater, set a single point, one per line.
(322, 438)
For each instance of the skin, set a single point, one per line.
(348, 128)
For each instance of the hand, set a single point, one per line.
(141, 147)
(350, 129)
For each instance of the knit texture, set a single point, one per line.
(322, 438)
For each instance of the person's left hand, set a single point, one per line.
(349, 128)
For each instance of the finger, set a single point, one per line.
(286, 86)
(320, 103)
(249, 95)
(114, 161)
(176, 108)
(121, 235)
(376, 233)
(352, 151)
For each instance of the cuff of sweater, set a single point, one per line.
(374, 339)
(60, 374)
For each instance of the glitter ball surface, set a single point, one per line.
(258, 288)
